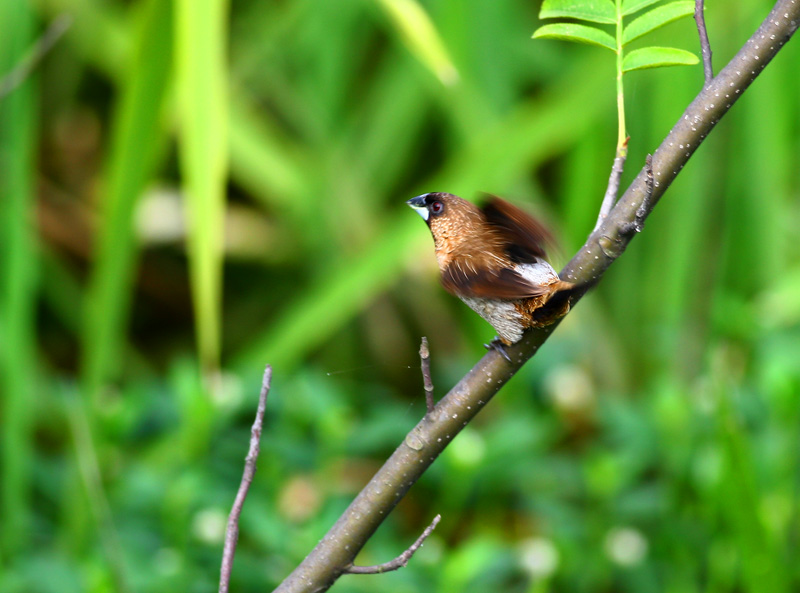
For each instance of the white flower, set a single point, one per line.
(570, 389)
(626, 546)
(209, 525)
(539, 557)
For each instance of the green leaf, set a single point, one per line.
(656, 57)
(19, 251)
(136, 129)
(201, 84)
(422, 38)
(577, 33)
(631, 6)
(597, 11)
(658, 17)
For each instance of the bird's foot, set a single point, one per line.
(497, 345)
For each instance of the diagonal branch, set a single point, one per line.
(327, 561)
(644, 207)
(705, 44)
(232, 531)
(401, 560)
(612, 191)
(427, 383)
(44, 44)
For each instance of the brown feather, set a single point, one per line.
(523, 236)
(493, 259)
(496, 283)
(479, 249)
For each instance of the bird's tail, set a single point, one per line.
(563, 294)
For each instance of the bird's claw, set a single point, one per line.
(497, 345)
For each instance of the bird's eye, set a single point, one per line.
(437, 208)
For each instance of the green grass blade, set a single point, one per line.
(578, 196)
(203, 112)
(135, 143)
(421, 38)
(310, 320)
(62, 292)
(264, 161)
(769, 174)
(390, 111)
(98, 28)
(18, 270)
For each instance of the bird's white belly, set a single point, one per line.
(502, 315)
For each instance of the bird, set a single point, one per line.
(493, 259)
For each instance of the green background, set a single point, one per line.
(652, 444)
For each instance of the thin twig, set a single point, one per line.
(44, 44)
(401, 560)
(612, 191)
(232, 531)
(427, 383)
(644, 208)
(705, 45)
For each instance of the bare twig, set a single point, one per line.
(401, 560)
(705, 45)
(428, 438)
(232, 531)
(45, 43)
(612, 191)
(427, 383)
(644, 208)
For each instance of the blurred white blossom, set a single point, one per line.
(570, 388)
(209, 525)
(539, 556)
(626, 546)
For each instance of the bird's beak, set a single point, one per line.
(418, 204)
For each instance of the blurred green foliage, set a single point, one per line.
(650, 446)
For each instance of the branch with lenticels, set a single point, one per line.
(334, 554)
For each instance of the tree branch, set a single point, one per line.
(327, 561)
(705, 45)
(401, 560)
(644, 208)
(232, 531)
(427, 383)
(43, 45)
(612, 191)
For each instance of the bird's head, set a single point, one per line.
(432, 205)
(450, 218)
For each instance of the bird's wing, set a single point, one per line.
(523, 236)
(465, 280)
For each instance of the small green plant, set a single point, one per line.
(614, 12)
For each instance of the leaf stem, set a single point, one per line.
(622, 134)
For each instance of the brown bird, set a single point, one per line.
(492, 258)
